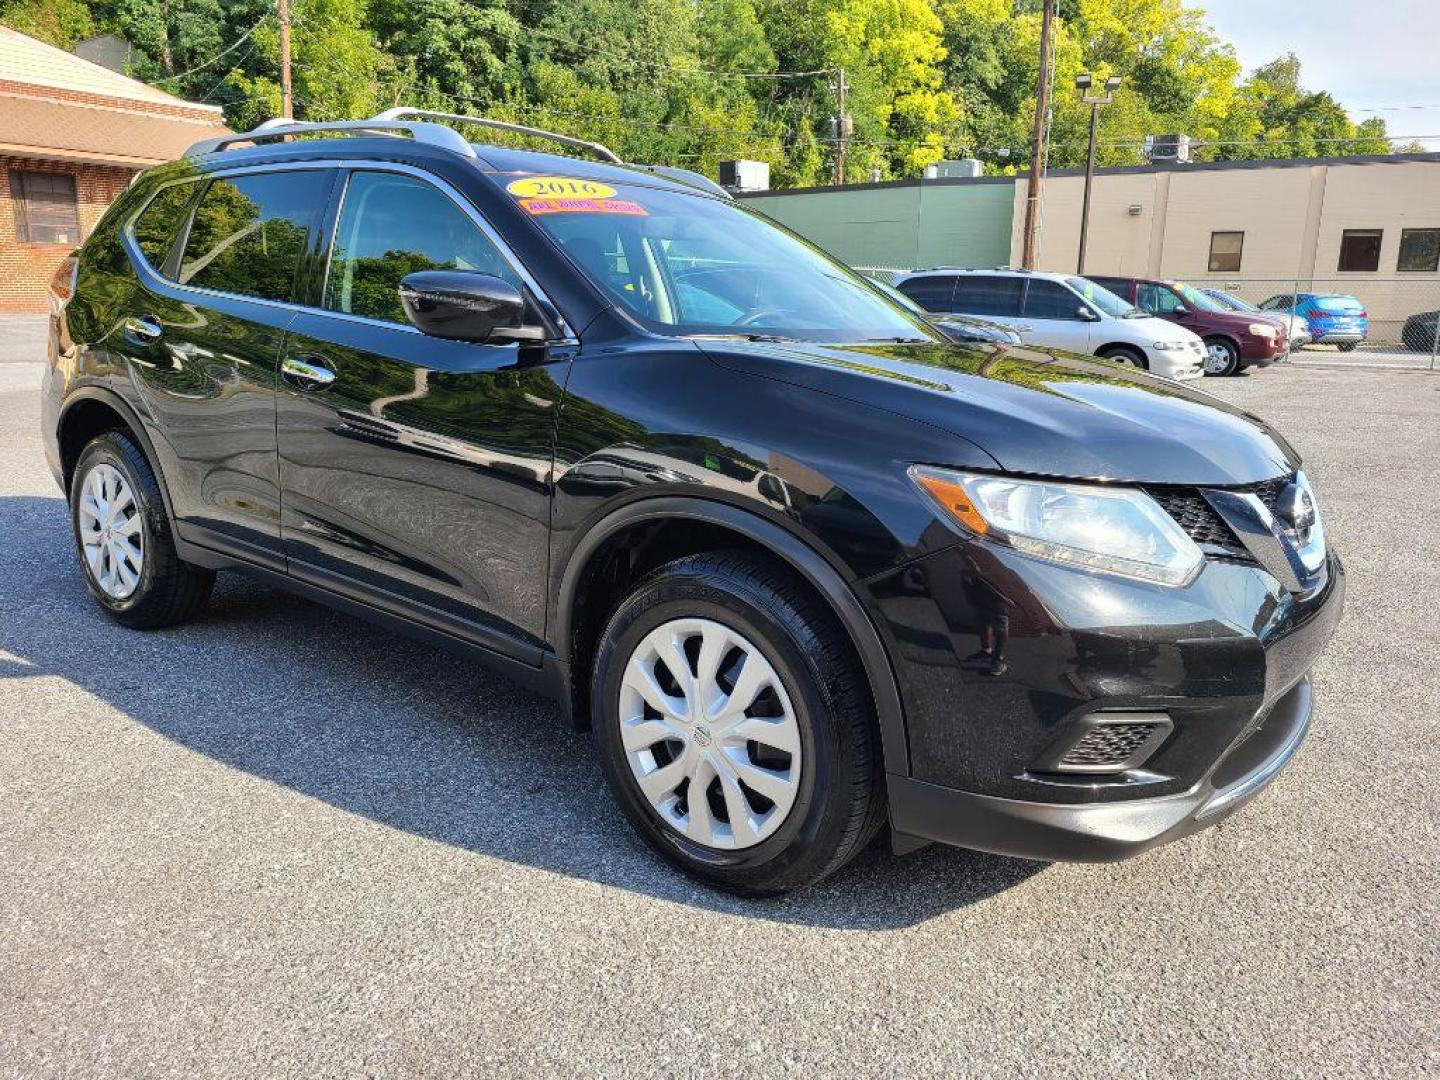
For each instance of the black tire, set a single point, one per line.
(169, 590)
(840, 804)
(1126, 355)
(1346, 346)
(1231, 357)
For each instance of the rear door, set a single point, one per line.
(416, 470)
(202, 339)
(1052, 315)
(990, 296)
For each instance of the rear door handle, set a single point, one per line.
(142, 331)
(307, 374)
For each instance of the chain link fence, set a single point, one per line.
(1401, 323)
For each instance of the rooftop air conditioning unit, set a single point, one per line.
(965, 168)
(745, 175)
(1174, 148)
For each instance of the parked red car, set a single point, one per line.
(1234, 340)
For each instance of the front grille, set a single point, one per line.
(1107, 746)
(1200, 520)
(1196, 516)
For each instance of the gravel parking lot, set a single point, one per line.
(223, 854)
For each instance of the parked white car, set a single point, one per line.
(1061, 311)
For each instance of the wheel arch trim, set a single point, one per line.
(799, 555)
(106, 396)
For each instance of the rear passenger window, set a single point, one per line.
(158, 225)
(994, 296)
(392, 225)
(250, 232)
(1047, 300)
(931, 293)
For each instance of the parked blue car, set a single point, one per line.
(1334, 319)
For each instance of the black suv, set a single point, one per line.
(800, 561)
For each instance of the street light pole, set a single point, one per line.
(1083, 82)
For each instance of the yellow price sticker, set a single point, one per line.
(561, 187)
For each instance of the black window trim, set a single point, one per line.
(1379, 250)
(1239, 255)
(1400, 251)
(324, 229)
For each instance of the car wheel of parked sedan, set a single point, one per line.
(1346, 346)
(122, 534)
(1126, 355)
(734, 725)
(1221, 357)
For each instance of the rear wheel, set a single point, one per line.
(1126, 354)
(123, 538)
(734, 725)
(1221, 357)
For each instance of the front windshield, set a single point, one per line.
(1197, 299)
(682, 264)
(1103, 298)
(1233, 302)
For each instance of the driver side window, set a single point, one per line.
(392, 225)
(1157, 300)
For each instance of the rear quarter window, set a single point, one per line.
(932, 293)
(159, 223)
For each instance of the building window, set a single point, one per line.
(46, 210)
(1225, 250)
(1360, 249)
(1419, 250)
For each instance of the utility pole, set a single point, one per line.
(287, 103)
(1037, 152)
(1083, 82)
(842, 128)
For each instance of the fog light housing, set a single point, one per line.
(1105, 743)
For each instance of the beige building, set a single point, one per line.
(1369, 227)
(72, 135)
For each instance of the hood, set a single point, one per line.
(1037, 411)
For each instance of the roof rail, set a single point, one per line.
(600, 150)
(432, 134)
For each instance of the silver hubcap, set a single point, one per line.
(1217, 358)
(709, 733)
(111, 532)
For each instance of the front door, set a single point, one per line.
(202, 340)
(416, 470)
(1055, 317)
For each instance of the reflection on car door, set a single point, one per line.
(202, 339)
(1051, 316)
(416, 470)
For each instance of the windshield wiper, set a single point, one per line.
(903, 340)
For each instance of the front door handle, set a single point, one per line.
(305, 373)
(142, 331)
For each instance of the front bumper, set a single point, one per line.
(1178, 364)
(1227, 659)
(1103, 832)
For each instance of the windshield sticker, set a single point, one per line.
(583, 206)
(559, 187)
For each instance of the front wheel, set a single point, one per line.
(122, 535)
(735, 727)
(1126, 355)
(1221, 357)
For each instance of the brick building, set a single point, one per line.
(72, 134)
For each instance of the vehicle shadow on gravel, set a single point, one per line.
(408, 736)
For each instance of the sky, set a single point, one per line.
(1367, 53)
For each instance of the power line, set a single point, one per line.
(223, 52)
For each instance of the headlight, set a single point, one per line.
(1112, 529)
(1164, 345)
(1262, 329)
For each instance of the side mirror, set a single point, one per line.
(466, 306)
(1180, 310)
(1086, 315)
